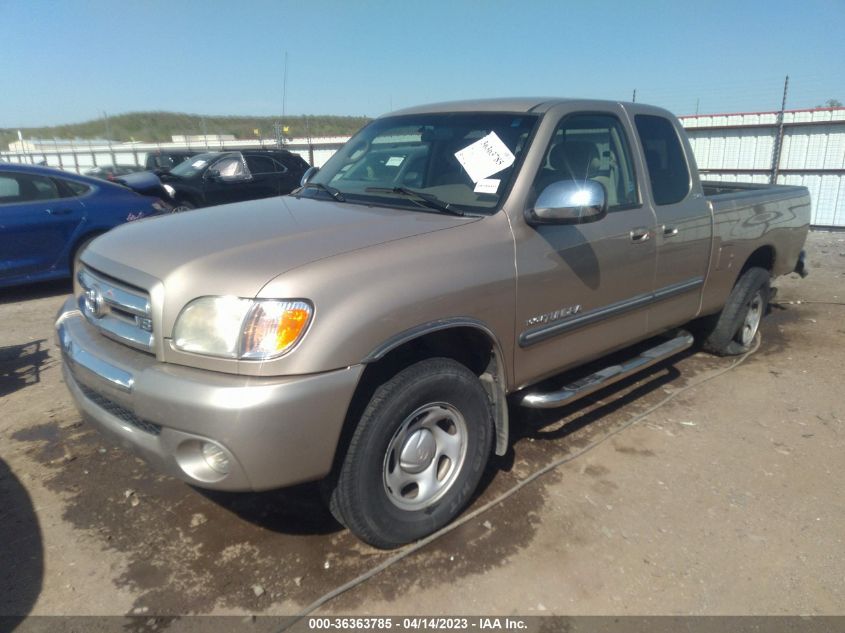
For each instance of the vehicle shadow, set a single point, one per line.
(560, 423)
(21, 551)
(39, 290)
(20, 365)
(298, 510)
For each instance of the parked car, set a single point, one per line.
(48, 216)
(110, 172)
(162, 161)
(372, 333)
(223, 177)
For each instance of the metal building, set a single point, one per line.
(741, 147)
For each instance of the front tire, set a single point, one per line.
(732, 331)
(416, 456)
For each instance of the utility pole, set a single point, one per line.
(773, 179)
(108, 138)
(697, 101)
(285, 88)
(634, 98)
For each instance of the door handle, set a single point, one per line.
(640, 235)
(669, 231)
(59, 211)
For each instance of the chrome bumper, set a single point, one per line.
(275, 431)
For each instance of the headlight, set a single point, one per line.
(241, 328)
(170, 191)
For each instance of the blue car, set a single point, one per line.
(48, 216)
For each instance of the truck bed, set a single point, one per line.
(718, 191)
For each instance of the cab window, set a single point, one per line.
(591, 147)
(667, 168)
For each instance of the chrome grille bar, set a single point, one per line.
(118, 311)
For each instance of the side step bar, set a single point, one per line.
(607, 376)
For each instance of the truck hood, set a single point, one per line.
(236, 249)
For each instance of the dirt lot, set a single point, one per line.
(726, 500)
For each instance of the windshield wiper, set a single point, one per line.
(334, 193)
(425, 199)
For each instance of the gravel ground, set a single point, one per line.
(725, 500)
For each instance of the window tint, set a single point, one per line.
(73, 189)
(261, 164)
(591, 147)
(26, 188)
(10, 190)
(664, 158)
(41, 188)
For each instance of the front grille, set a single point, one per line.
(119, 412)
(120, 311)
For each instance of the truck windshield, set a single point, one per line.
(464, 161)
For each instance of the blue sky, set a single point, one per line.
(69, 60)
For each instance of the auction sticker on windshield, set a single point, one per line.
(487, 185)
(485, 157)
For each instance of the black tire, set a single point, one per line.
(727, 333)
(183, 205)
(362, 498)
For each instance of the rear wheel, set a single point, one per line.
(416, 456)
(732, 331)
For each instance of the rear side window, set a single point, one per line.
(667, 168)
(73, 189)
(261, 164)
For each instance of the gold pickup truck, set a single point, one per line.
(371, 329)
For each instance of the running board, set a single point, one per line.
(607, 376)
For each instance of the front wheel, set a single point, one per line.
(416, 456)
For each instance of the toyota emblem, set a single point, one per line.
(94, 302)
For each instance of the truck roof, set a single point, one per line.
(516, 104)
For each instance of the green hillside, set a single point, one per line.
(160, 126)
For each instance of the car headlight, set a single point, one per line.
(231, 327)
(170, 191)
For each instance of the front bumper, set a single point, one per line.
(274, 431)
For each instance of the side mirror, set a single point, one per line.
(569, 202)
(213, 175)
(308, 175)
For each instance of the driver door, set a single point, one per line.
(583, 289)
(226, 181)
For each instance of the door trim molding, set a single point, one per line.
(545, 332)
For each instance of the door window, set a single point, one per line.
(591, 147)
(26, 188)
(72, 189)
(261, 165)
(231, 168)
(667, 168)
(10, 190)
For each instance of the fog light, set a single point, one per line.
(215, 458)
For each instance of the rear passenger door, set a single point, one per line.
(36, 223)
(684, 223)
(266, 176)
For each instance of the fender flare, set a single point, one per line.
(494, 379)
